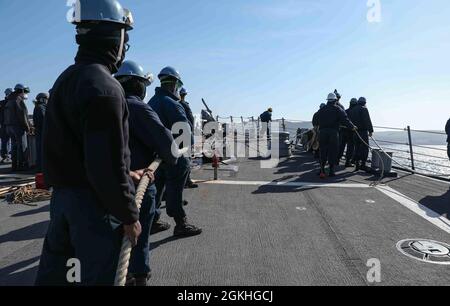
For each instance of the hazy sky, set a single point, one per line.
(243, 56)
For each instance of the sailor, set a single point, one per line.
(347, 139)
(148, 138)
(17, 126)
(315, 119)
(4, 137)
(171, 179)
(329, 118)
(342, 129)
(190, 117)
(360, 116)
(266, 118)
(86, 158)
(40, 107)
(315, 137)
(447, 130)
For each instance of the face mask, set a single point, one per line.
(144, 95)
(120, 55)
(25, 97)
(178, 86)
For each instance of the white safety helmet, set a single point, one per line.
(332, 97)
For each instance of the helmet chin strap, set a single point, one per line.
(122, 43)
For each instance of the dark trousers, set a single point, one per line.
(350, 142)
(38, 152)
(448, 150)
(171, 179)
(346, 140)
(342, 142)
(329, 146)
(6, 142)
(361, 149)
(79, 228)
(140, 255)
(19, 145)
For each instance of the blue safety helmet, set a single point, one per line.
(102, 11)
(42, 95)
(8, 91)
(183, 91)
(169, 72)
(132, 69)
(22, 87)
(362, 101)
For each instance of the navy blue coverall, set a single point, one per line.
(347, 139)
(359, 115)
(148, 138)
(38, 120)
(86, 159)
(172, 178)
(17, 126)
(5, 138)
(329, 118)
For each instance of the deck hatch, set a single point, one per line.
(425, 250)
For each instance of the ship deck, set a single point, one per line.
(281, 226)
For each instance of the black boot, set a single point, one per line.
(184, 229)
(357, 166)
(191, 185)
(137, 280)
(364, 167)
(332, 172)
(159, 226)
(141, 280)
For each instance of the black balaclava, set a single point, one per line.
(133, 87)
(100, 43)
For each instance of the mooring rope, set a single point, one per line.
(125, 252)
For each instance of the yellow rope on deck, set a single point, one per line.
(27, 195)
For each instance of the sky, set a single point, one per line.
(243, 56)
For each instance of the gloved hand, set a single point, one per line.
(132, 232)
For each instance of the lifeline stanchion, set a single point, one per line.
(125, 251)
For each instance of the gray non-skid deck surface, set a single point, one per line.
(311, 237)
(269, 235)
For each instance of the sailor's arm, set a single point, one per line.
(154, 134)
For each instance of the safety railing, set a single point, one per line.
(412, 151)
(417, 155)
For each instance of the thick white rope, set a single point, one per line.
(125, 252)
